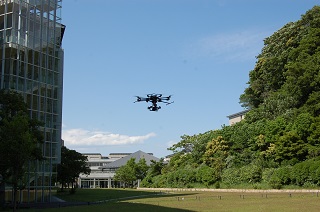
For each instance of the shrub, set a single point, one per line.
(307, 171)
(217, 185)
(206, 175)
(231, 176)
(277, 177)
(314, 172)
(309, 184)
(147, 182)
(251, 174)
(159, 181)
(300, 173)
(275, 182)
(246, 174)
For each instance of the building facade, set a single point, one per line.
(31, 63)
(237, 117)
(103, 169)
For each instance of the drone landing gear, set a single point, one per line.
(154, 108)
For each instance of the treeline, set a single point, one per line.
(278, 142)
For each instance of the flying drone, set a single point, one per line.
(154, 99)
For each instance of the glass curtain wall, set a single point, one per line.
(31, 62)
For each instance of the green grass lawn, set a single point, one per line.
(190, 201)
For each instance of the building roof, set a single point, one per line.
(91, 153)
(120, 153)
(125, 153)
(137, 156)
(237, 114)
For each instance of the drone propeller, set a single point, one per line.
(138, 99)
(154, 95)
(166, 97)
(168, 103)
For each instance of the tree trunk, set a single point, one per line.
(2, 195)
(14, 198)
(62, 186)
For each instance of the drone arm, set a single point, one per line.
(141, 99)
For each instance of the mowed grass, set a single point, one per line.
(193, 201)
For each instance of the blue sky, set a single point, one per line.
(199, 51)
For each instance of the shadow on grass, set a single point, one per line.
(132, 207)
(102, 195)
(106, 199)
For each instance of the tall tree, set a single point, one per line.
(127, 173)
(72, 164)
(132, 171)
(156, 167)
(20, 137)
(216, 154)
(141, 169)
(288, 65)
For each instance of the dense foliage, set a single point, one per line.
(278, 142)
(20, 139)
(132, 172)
(72, 164)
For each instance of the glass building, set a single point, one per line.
(31, 62)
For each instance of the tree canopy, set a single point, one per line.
(132, 171)
(286, 74)
(20, 137)
(72, 164)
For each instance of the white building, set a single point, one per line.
(103, 168)
(237, 117)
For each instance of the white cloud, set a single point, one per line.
(81, 137)
(237, 46)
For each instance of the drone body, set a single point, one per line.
(154, 99)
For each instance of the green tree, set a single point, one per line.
(20, 137)
(288, 65)
(290, 147)
(216, 149)
(156, 167)
(72, 164)
(206, 175)
(127, 173)
(141, 169)
(215, 155)
(132, 171)
(154, 170)
(314, 138)
(190, 149)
